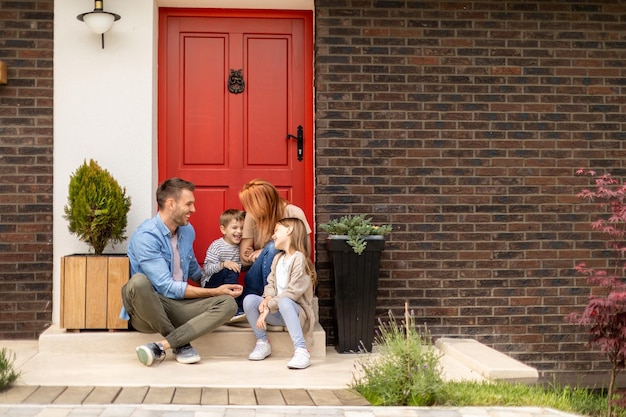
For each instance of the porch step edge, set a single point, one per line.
(488, 362)
(225, 341)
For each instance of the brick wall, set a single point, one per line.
(462, 124)
(26, 41)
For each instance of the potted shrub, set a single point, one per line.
(97, 213)
(355, 245)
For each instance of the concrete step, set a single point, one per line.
(227, 341)
(488, 362)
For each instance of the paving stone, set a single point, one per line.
(187, 395)
(16, 394)
(241, 396)
(159, 395)
(297, 397)
(44, 395)
(323, 397)
(350, 398)
(214, 396)
(269, 396)
(73, 395)
(102, 395)
(131, 395)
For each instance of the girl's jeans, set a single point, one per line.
(287, 315)
(256, 276)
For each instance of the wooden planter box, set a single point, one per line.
(91, 295)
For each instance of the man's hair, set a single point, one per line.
(231, 214)
(172, 188)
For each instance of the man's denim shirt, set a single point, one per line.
(150, 253)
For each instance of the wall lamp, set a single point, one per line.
(99, 21)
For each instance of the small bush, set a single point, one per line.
(8, 374)
(97, 207)
(405, 371)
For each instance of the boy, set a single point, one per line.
(222, 264)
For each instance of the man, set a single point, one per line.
(158, 298)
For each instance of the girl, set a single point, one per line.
(264, 208)
(288, 295)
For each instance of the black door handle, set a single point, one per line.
(300, 140)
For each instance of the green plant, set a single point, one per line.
(97, 207)
(355, 227)
(582, 401)
(406, 369)
(8, 374)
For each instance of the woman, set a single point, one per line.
(264, 208)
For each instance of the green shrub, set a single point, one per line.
(97, 207)
(8, 374)
(404, 371)
(356, 228)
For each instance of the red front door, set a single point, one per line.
(220, 139)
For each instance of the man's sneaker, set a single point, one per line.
(238, 318)
(149, 352)
(261, 351)
(301, 359)
(186, 354)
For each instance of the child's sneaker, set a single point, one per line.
(149, 352)
(301, 359)
(261, 351)
(239, 317)
(186, 354)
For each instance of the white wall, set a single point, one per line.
(105, 104)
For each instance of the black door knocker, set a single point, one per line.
(235, 81)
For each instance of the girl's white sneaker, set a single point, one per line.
(261, 351)
(301, 359)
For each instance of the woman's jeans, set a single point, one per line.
(287, 315)
(256, 276)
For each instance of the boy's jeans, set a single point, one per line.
(225, 276)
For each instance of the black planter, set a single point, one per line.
(356, 285)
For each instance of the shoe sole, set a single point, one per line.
(291, 366)
(144, 356)
(188, 361)
(259, 358)
(238, 319)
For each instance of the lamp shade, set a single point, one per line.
(99, 22)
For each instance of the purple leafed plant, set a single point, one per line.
(604, 317)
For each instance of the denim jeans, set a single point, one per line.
(256, 276)
(225, 276)
(287, 315)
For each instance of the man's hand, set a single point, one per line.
(234, 290)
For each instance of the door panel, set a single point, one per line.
(203, 120)
(220, 140)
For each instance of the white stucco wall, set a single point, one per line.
(105, 104)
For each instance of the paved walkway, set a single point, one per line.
(268, 411)
(105, 385)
